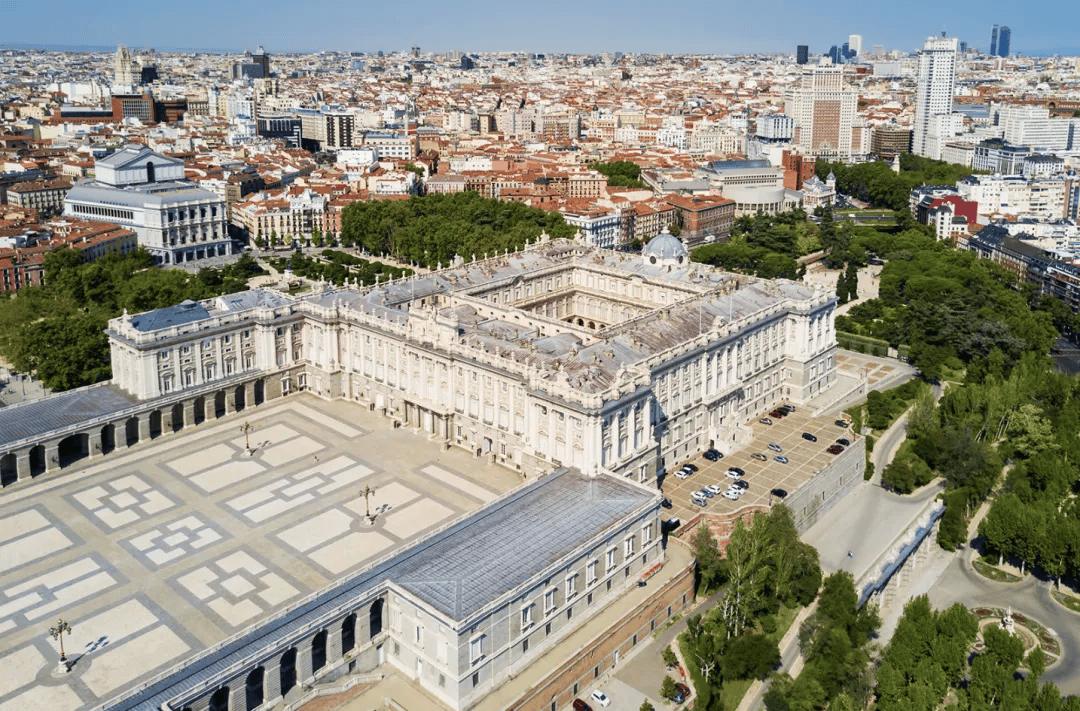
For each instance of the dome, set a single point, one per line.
(665, 248)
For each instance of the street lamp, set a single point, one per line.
(58, 632)
(368, 493)
(246, 428)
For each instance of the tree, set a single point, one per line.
(851, 278)
(710, 564)
(1036, 662)
(667, 688)
(1030, 431)
(1001, 529)
(750, 656)
(842, 288)
(668, 655)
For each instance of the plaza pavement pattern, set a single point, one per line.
(156, 554)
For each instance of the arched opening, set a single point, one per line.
(375, 618)
(177, 417)
(259, 392)
(592, 325)
(155, 424)
(253, 688)
(108, 438)
(238, 393)
(150, 175)
(72, 448)
(131, 431)
(581, 322)
(318, 651)
(37, 460)
(9, 472)
(348, 633)
(220, 700)
(287, 671)
(219, 404)
(200, 410)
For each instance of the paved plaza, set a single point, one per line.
(805, 458)
(155, 555)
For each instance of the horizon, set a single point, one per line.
(712, 27)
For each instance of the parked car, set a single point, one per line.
(737, 471)
(714, 488)
(835, 449)
(809, 437)
(841, 423)
(788, 409)
(741, 484)
(691, 467)
(683, 689)
(601, 698)
(730, 474)
(759, 456)
(781, 458)
(706, 493)
(779, 493)
(665, 503)
(777, 414)
(671, 524)
(683, 473)
(712, 455)
(775, 447)
(844, 441)
(697, 498)
(580, 705)
(732, 494)
(765, 421)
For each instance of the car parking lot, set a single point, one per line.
(804, 458)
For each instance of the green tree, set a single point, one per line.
(667, 688)
(1002, 527)
(646, 705)
(710, 563)
(750, 656)
(668, 655)
(851, 279)
(1036, 662)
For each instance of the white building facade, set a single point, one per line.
(934, 92)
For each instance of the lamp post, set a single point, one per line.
(246, 428)
(368, 493)
(58, 632)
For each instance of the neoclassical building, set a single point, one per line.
(560, 354)
(175, 219)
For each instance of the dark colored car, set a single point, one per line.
(786, 409)
(706, 493)
(580, 705)
(759, 456)
(713, 456)
(835, 449)
(691, 467)
(777, 414)
(737, 470)
(844, 441)
(741, 483)
(666, 503)
(779, 493)
(809, 437)
(841, 423)
(682, 693)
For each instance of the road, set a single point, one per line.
(1030, 597)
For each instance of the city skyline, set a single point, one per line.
(487, 27)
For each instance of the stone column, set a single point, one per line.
(230, 401)
(210, 409)
(238, 694)
(22, 465)
(120, 435)
(144, 427)
(303, 660)
(52, 457)
(189, 413)
(249, 395)
(333, 644)
(94, 442)
(272, 681)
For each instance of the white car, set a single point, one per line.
(698, 498)
(732, 474)
(732, 494)
(714, 488)
(601, 698)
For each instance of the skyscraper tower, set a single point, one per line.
(936, 83)
(802, 54)
(1003, 41)
(855, 44)
(993, 41)
(123, 67)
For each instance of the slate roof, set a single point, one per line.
(61, 410)
(186, 312)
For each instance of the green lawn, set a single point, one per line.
(1073, 603)
(994, 573)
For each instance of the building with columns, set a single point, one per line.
(175, 219)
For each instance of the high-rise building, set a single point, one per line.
(934, 93)
(963, 47)
(834, 55)
(802, 54)
(993, 41)
(823, 108)
(1004, 40)
(855, 44)
(123, 67)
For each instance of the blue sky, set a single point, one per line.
(1038, 26)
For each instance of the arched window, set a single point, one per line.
(150, 172)
(287, 671)
(318, 651)
(348, 633)
(254, 687)
(375, 616)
